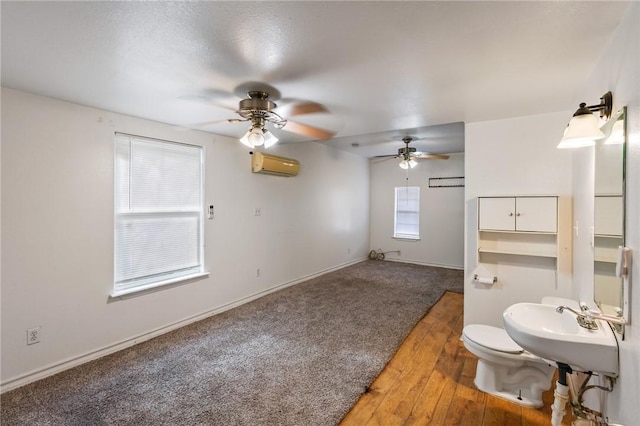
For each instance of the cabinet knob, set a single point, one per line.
(517, 214)
(510, 214)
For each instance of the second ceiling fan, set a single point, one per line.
(409, 154)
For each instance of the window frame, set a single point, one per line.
(406, 235)
(158, 280)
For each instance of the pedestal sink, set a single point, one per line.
(557, 337)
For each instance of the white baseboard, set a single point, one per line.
(437, 265)
(58, 367)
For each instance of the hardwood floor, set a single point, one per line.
(430, 381)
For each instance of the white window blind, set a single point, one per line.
(407, 212)
(158, 212)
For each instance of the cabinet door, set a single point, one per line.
(608, 215)
(537, 214)
(496, 214)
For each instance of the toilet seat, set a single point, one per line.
(492, 338)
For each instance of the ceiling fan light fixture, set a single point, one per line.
(259, 109)
(269, 138)
(408, 164)
(256, 136)
(245, 140)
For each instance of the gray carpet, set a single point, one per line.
(300, 356)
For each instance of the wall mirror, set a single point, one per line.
(609, 223)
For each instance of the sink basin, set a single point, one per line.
(557, 337)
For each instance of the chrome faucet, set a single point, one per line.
(618, 319)
(560, 309)
(584, 320)
(584, 308)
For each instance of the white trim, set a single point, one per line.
(435, 265)
(406, 238)
(148, 288)
(75, 361)
(134, 282)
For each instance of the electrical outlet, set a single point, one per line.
(33, 335)
(258, 272)
(257, 211)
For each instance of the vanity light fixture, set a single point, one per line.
(617, 134)
(584, 128)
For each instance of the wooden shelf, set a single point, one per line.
(606, 248)
(534, 244)
(499, 231)
(518, 252)
(619, 237)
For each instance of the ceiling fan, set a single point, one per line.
(409, 155)
(259, 108)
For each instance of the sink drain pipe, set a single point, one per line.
(561, 395)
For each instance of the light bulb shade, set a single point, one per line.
(582, 130)
(245, 140)
(408, 164)
(617, 134)
(269, 139)
(256, 136)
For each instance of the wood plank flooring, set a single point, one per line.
(429, 381)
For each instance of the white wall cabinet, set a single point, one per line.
(608, 226)
(608, 230)
(518, 214)
(533, 231)
(608, 215)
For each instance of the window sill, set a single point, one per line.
(149, 288)
(407, 238)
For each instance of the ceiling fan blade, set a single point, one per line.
(431, 156)
(216, 122)
(381, 158)
(300, 108)
(387, 156)
(307, 130)
(213, 97)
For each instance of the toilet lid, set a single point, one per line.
(492, 337)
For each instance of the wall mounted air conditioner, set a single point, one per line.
(274, 165)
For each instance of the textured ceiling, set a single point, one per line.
(384, 69)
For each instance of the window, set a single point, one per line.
(407, 213)
(158, 213)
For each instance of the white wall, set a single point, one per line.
(441, 212)
(515, 156)
(617, 70)
(57, 231)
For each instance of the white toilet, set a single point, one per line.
(504, 368)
